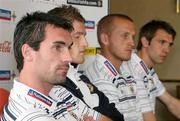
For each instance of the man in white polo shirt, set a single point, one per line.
(155, 41)
(77, 83)
(115, 34)
(41, 47)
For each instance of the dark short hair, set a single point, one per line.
(31, 30)
(149, 29)
(106, 24)
(68, 12)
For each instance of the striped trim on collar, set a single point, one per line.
(110, 67)
(144, 67)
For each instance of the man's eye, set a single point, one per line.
(58, 47)
(171, 44)
(162, 42)
(125, 36)
(76, 37)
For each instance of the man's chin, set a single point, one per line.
(127, 58)
(160, 62)
(79, 61)
(58, 81)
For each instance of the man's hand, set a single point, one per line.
(88, 118)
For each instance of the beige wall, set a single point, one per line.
(143, 11)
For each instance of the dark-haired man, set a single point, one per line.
(41, 47)
(155, 40)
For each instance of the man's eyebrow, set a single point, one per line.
(80, 33)
(63, 43)
(59, 42)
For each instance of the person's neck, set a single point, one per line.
(144, 56)
(30, 80)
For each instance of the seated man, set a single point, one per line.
(155, 41)
(41, 48)
(77, 83)
(115, 33)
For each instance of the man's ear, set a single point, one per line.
(104, 39)
(145, 42)
(27, 52)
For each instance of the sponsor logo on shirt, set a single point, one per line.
(39, 97)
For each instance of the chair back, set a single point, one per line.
(4, 94)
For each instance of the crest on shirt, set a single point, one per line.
(131, 89)
(91, 88)
(75, 116)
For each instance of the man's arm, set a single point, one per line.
(75, 105)
(104, 118)
(105, 107)
(149, 116)
(172, 103)
(88, 118)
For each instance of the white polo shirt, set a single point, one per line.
(91, 99)
(26, 103)
(120, 89)
(147, 80)
(80, 86)
(75, 106)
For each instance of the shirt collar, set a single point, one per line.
(32, 95)
(107, 64)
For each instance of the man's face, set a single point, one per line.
(52, 59)
(160, 46)
(121, 40)
(79, 42)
